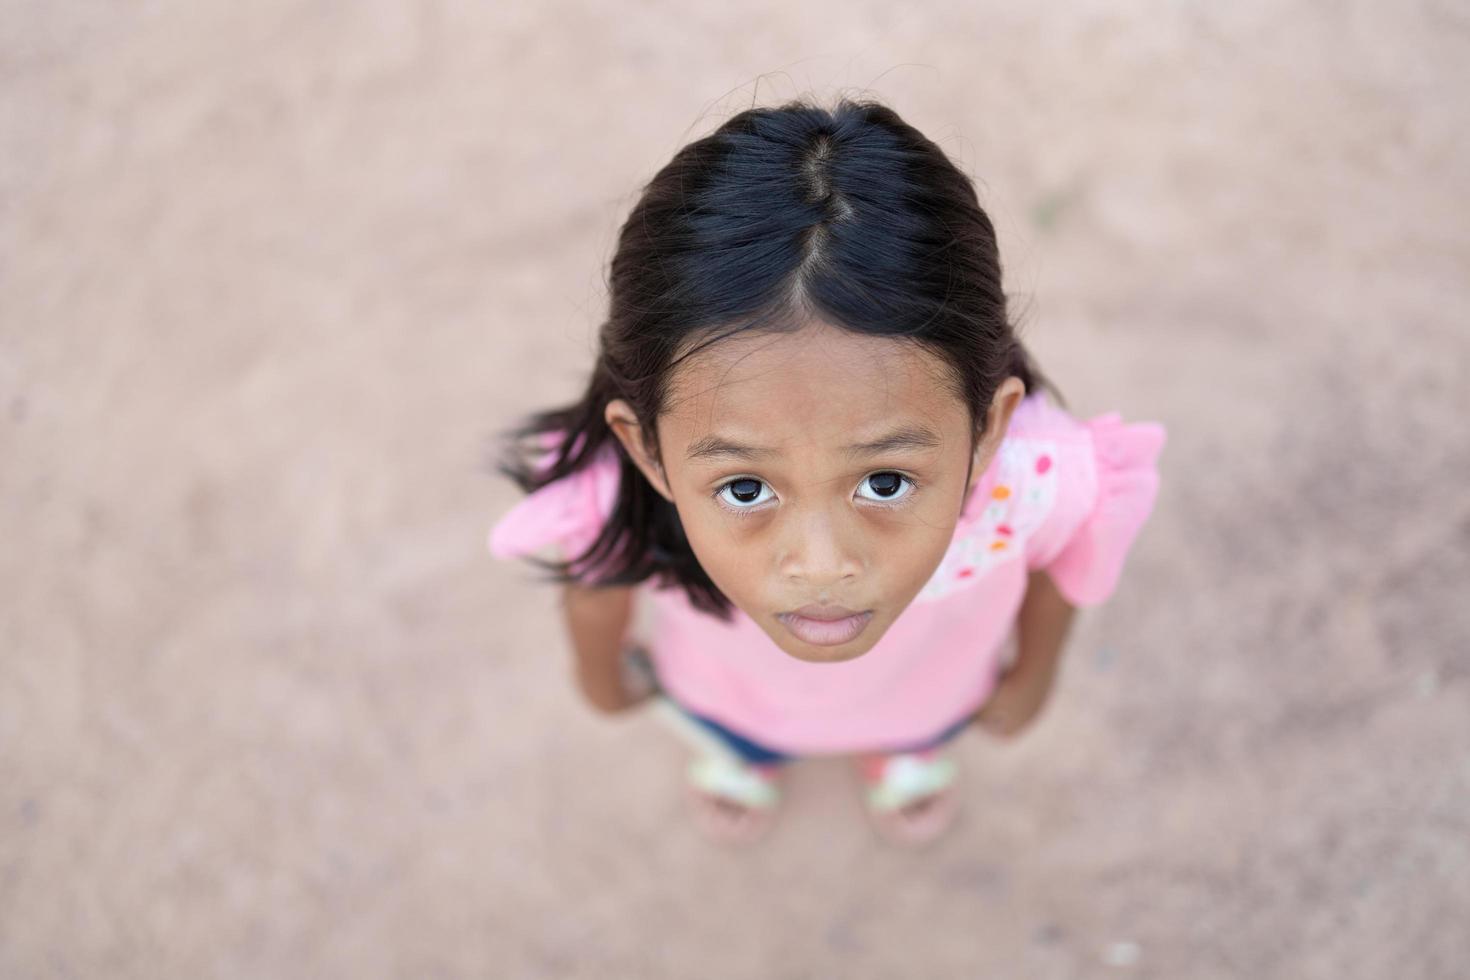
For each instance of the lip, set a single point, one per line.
(825, 626)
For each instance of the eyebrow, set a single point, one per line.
(908, 437)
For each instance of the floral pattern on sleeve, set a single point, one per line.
(1005, 509)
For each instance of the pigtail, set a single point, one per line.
(643, 537)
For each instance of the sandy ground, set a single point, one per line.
(271, 277)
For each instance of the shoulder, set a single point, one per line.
(1041, 462)
(1046, 465)
(1050, 478)
(1053, 455)
(1106, 484)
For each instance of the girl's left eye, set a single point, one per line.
(885, 487)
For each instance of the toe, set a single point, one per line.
(728, 821)
(919, 822)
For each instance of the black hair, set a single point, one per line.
(782, 215)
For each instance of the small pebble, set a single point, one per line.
(1428, 683)
(1121, 954)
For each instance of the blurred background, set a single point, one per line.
(273, 275)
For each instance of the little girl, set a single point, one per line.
(814, 476)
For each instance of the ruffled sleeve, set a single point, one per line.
(1087, 566)
(567, 514)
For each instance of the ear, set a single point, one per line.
(998, 419)
(625, 425)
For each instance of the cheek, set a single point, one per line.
(917, 552)
(732, 562)
(913, 547)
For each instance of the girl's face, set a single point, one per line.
(819, 476)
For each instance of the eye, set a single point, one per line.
(744, 493)
(885, 486)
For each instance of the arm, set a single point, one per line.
(1041, 629)
(597, 620)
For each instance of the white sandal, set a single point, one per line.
(719, 775)
(897, 783)
(733, 801)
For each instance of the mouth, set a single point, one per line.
(825, 626)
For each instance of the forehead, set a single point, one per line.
(812, 387)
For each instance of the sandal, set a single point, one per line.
(733, 802)
(911, 796)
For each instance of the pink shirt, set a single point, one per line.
(1061, 494)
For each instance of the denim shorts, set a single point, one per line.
(640, 675)
(753, 753)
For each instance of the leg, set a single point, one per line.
(733, 791)
(911, 794)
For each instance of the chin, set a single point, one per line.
(825, 655)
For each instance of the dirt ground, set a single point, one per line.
(272, 276)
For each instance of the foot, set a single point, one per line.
(911, 796)
(732, 802)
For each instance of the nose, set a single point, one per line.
(819, 550)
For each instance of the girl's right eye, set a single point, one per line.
(744, 493)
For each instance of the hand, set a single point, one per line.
(606, 698)
(627, 685)
(1016, 701)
